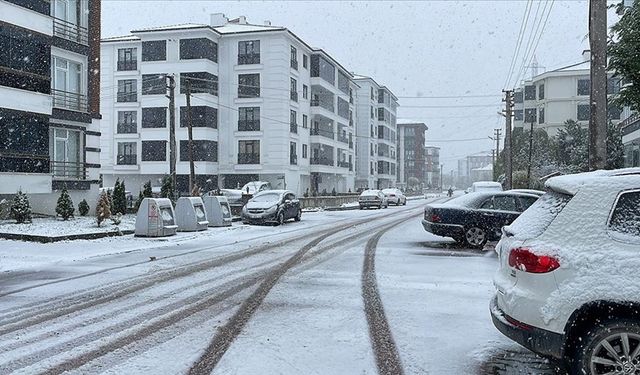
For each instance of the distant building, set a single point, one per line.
(470, 163)
(432, 166)
(630, 127)
(551, 98)
(411, 154)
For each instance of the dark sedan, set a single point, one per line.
(475, 218)
(272, 206)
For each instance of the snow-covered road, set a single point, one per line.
(351, 292)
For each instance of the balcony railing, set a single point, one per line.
(248, 158)
(293, 128)
(294, 96)
(70, 31)
(249, 125)
(127, 97)
(251, 58)
(127, 65)
(69, 100)
(321, 161)
(69, 170)
(324, 133)
(127, 159)
(293, 159)
(630, 120)
(127, 128)
(317, 103)
(294, 64)
(343, 164)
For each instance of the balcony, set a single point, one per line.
(294, 64)
(127, 128)
(249, 125)
(293, 128)
(293, 159)
(321, 161)
(247, 59)
(351, 144)
(248, 158)
(127, 97)
(327, 104)
(127, 65)
(69, 100)
(127, 159)
(344, 164)
(68, 170)
(70, 31)
(294, 96)
(343, 139)
(327, 133)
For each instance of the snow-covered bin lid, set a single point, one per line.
(617, 178)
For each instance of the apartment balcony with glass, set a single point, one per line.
(323, 98)
(322, 126)
(70, 20)
(322, 154)
(343, 133)
(66, 85)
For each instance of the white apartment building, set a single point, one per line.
(265, 106)
(551, 98)
(377, 141)
(49, 100)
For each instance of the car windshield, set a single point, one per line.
(266, 197)
(535, 220)
(368, 193)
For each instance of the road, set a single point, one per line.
(354, 292)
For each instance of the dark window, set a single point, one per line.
(201, 117)
(24, 51)
(40, 6)
(154, 117)
(293, 153)
(293, 121)
(613, 86)
(155, 50)
(343, 108)
(526, 202)
(202, 150)
(249, 52)
(500, 203)
(613, 112)
(154, 84)
(305, 61)
(201, 83)
(305, 151)
(382, 96)
(198, 48)
(127, 90)
(127, 59)
(294, 58)
(305, 92)
(127, 122)
(625, 218)
(127, 153)
(518, 115)
(321, 67)
(529, 93)
(24, 142)
(541, 91)
(584, 86)
(530, 115)
(248, 85)
(248, 118)
(248, 152)
(584, 112)
(305, 121)
(154, 150)
(343, 82)
(294, 90)
(518, 97)
(541, 116)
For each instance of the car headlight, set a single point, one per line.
(271, 209)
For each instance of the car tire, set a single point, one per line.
(475, 237)
(591, 346)
(404, 203)
(298, 216)
(362, 207)
(280, 218)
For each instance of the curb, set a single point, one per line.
(69, 237)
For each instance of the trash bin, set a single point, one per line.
(218, 210)
(155, 218)
(190, 214)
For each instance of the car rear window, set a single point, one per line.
(536, 219)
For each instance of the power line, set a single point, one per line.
(523, 26)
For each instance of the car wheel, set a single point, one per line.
(280, 218)
(361, 207)
(612, 347)
(298, 216)
(475, 237)
(404, 203)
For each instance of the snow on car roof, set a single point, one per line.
(370, 192)
(570, 184)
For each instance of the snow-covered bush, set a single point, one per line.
(21, 208)
(103, 209)
(64, 206)
(119, 198)
(83, 207)
(146, 192)
(116, 219)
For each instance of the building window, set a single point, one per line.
(154, 117)
(584, 86)
(530, 92)
(201, 117)
(293, 121)
(294, 90)
(127, 59)
(67, 85)
(584, 112)
(69, 20)
(127, 122)
(541, 92)
(293, 153)
(154, 150)
(249, 52)
(305, 151)
(127, 91)
(305, 61)
(65, 153)
(518, 97)
(198, 48)
(154, 84)
(305, 92)
(530, 115)
(248, 85)
(372, 112)
(305, 121)
(541, 116)
(321, 67)
(343, 82)
(24, 43)
(202, 150)
(613, 112)
(294, 58)
(343, 108)
(201, 83)
(518, 115)
(154, 50)
(613, 86)
(248, 152)
(127, 153)
(249, 119)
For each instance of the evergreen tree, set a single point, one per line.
(615, 147)
(119, 198)
(83, 207)
(146, 192)
(64, 206)
(103, 209)
(623, 55)
(168, 190)
(573, 148)
(21, 208)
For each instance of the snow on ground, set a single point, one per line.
(50, 226)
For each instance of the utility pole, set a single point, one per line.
(192, 169)
(508, 100)
(172, 128)
(498, 134)
(598, 105)
(530, 154)
(441, 175)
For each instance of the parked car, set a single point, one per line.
(395, 196)
(234, 196)
(485, 186)
(272, 206)
(372, 198)
(475, 218)
(568, 284)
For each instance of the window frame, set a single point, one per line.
(248, 56)
(127, 64)
(246, 91)
(154, 43)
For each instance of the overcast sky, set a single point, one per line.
(416, 48)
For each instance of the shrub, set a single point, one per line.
(21, 208)
(83, 207)
(103, 209)
(64, 206)
(119, 204)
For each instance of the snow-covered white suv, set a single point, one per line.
(568, 286)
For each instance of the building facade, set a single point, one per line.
(474, 168)
(432, 167)
(264, 106)
(630, 128)
(50, 100)
(551, 98)
(412, 163)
